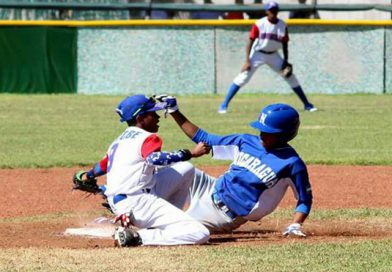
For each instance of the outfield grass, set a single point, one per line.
(68, 130)
(297, 256)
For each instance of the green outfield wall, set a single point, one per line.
(38, 59)
(188, 58)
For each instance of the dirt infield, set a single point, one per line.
(40, 193)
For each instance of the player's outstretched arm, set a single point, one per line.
(162, 158)
(187, 126)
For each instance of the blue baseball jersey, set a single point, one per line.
(255, 169)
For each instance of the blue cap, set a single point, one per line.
(271, 5)
(135, 105)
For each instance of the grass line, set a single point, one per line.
(339, 214)
(316, 214)
(51, 217)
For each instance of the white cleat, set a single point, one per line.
(310, 108)
(222, 110)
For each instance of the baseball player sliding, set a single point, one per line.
(133, 184)
(262, 169)
(267, 37)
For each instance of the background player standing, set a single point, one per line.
(134, 186)
(268, 35)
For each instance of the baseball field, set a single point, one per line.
(347, 146)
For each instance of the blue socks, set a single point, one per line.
(298, 90)
(230, 94)
(233, 89)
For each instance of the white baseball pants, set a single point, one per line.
(275, 61)
(203, 209)
(159, 222)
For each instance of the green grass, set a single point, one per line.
(67, 130)
(339, 214)
(297, 256)
(317, 214)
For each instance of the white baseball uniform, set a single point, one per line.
(268, 39)
(134, 186)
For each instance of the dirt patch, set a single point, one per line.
(38, 192)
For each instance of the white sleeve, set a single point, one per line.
(224, 152)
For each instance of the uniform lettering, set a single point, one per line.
(129, 134)
(254, 165)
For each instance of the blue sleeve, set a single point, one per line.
(97, 171)
(304, 190)
(212, 139)
(167, 158)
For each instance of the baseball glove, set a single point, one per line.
(88, 185)
(287, 70)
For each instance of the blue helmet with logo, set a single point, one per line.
(135, 105)
(280, 119)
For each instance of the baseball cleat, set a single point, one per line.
(222, 110)
(126, 237)
(310, 108)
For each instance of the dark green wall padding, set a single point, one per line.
(38, 59)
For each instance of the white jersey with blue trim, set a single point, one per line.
(127, 171)
(255, 169)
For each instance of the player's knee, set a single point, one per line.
(186, 169)
(242, 79)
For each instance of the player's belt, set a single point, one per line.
(222, 206)
(118, 198)
(121, 197)
(266, 52)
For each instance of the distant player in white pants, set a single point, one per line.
(134, 185)
(267, 37)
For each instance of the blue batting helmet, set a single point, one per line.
(135, 105)
(281, 119)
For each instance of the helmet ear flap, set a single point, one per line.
(288, 136)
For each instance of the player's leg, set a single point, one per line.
(160, 223)
(275, 61)
(240, 80)
(203, 209)
(173, 183)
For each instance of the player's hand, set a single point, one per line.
(294, 229)
(246, 66)
(124, 219)
(200, 150)
(83, 183)
(287, 69)
(284, 64)
(171, 102)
